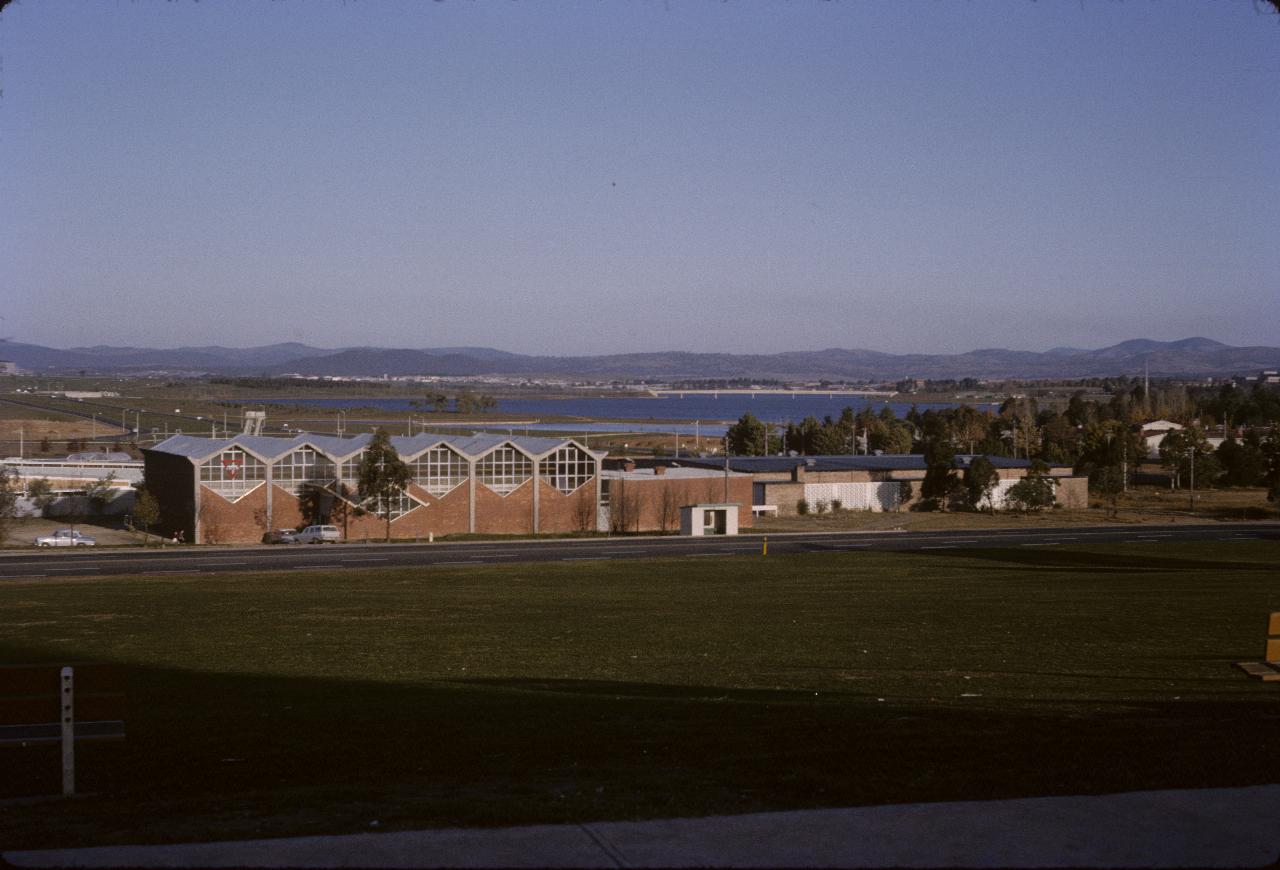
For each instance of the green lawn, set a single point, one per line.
(273, 704)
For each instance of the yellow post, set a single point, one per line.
(764, 550)
(1273, 639)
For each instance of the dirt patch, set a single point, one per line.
(23, 532)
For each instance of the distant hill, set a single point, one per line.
(106, 358)
(1189, 357)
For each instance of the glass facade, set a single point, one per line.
(439, 470)
(304, 466)
(399, 506)
(351, 468)
(233, 474)
(504, 470)
(568, 468)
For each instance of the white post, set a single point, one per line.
(68, 719)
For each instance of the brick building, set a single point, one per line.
(649, 498)
(888, 482)
(234, 490)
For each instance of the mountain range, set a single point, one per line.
(1189, 357)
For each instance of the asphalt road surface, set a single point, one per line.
(357, 557)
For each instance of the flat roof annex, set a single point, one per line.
(885, 462)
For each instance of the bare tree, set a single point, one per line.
(146, 513)
(624, 507)
(584, 511)
(668, 510)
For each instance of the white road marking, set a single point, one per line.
(349, 561)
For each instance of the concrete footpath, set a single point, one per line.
(1234, 827)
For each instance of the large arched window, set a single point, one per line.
(439, 470)
(233, 473)
(568, 468)
(504, 470)
(304, 466)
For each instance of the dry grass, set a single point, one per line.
(23, 532)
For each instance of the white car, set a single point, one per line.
(65, 538)
(318, 535)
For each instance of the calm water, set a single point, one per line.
(638, 414)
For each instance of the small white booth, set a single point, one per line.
(709, 519)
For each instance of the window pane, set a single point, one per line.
(233, 473)
(504, 470)
(568, 468)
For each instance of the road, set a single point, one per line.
(357, 557)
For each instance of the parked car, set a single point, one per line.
(318, 535)
(65, 538)
(282, 536)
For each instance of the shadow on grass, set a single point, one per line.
(1074, 560)
(213, 756)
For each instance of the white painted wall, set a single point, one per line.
(883, 496)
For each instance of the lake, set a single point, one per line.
(640, 413)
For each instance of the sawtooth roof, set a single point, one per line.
(270, 448)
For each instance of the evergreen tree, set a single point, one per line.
(980, 479)
(747, 436)
(382, 478)
(1034, 492)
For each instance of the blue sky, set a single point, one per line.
(596, 177)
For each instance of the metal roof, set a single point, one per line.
(673, 473)
(270, 448)
(884, 462)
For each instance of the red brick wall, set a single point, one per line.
(284, 510)
(224, 522)
(445, 515)
(512, 515)
(558, 512)
(685, 491)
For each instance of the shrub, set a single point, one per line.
(836, 505)
(802, 506)
(820, 507)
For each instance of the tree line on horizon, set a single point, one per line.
(1100, 439)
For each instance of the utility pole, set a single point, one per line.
(1193, 477)
(726, 469)
(1124, 464)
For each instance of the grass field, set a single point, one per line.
(289, 703)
